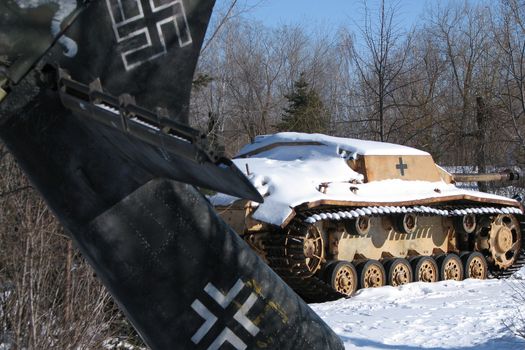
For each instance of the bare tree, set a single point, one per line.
(464, 39)
(251, 69)
(509, 34)
(381, 63)
(419, 87)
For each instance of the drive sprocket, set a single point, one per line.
(502, 239)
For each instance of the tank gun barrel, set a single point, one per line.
(502, 176)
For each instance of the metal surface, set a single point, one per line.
(183, 269)
(450, 267)
(158, 248)
(474, 265)
(425, 269)
(343, 277)
(503, 176)
(502, 238)
(398, 271)
(163, 146)
(411, 224)
(426, 210)
(106, 166)
(371, 274)
(437, 233)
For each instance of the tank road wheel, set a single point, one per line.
(468, 223)
(371, 274)
(406, 223)
(474, 265)
(362, 225)
(504, 241)
(342, 276)
(313, 247)
(398, 272)
(450, 267)
(425, 269)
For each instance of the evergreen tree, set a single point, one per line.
(305, 111)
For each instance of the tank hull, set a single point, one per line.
(305, 249)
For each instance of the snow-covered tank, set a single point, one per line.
(341, 214)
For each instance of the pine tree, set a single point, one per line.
(305, 111)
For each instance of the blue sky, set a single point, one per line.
(331, 13)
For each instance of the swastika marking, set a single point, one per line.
(225, 300)
(144, 28)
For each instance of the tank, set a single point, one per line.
(342, 214)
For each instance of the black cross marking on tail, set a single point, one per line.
(225, 300)
(401, 166)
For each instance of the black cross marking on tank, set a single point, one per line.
(401, 166)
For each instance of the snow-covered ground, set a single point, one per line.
(471, 314)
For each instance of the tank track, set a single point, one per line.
(450, 211)
(285, 254)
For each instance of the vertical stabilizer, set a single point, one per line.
(146, 48)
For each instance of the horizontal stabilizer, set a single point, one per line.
(162, 145)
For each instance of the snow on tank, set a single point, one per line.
(291, 169)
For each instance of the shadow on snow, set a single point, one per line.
(503, 343)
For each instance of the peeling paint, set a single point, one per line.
(65, 8)
(270, 304)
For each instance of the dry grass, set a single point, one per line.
(49, 296)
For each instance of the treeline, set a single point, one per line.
(453, 85)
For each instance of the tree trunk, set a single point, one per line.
(481, 121)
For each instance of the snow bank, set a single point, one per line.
(472, 314)
(350, 145)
